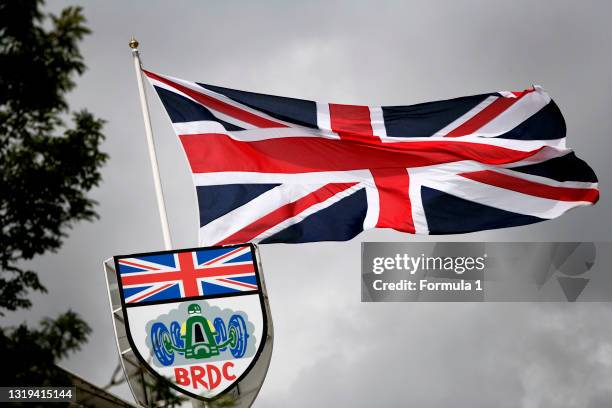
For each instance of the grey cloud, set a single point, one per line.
(330, 349)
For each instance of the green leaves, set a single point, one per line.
(46, 167)
(46, 170)
(38, 65)
(64, 334)
(35, 351)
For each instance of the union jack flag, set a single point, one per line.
(275, 169)
(187, 274)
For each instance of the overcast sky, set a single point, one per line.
(330, 349)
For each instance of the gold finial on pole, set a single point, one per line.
(133, 43)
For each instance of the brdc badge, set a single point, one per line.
(196, 318)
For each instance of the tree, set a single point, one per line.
(46, 166)
(39, 349)
(46, 170)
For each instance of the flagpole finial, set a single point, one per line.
(133, 43)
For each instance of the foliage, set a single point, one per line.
(46, 166)
(164, 396)
(46, 169)
(38, 350)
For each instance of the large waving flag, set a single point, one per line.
(275, 169)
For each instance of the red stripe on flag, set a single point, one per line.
(394, 202)
(532, 188)
(218, 105)
(285, 212)
(151, 293)
(209, 153)
(189, 274)
(217, 259)
(124, 262)
(246, 285)
(351, 122)
(487, 114)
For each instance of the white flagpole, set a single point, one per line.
(163, 217)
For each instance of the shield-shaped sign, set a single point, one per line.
(194, 317)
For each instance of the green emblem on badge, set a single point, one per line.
(198, 338)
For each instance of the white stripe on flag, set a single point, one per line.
(324, 121)
(221, 259)
(419, 220)
(150, 291)
(497, 197)
(218, 115)
(241, 286)
(247, 177)
(377, 121)
(220, 97)
(308, 211)
(465, 117)
(237, 219)
(516, 114)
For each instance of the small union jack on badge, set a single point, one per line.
(194, 317)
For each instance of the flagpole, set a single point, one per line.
(163, 217)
